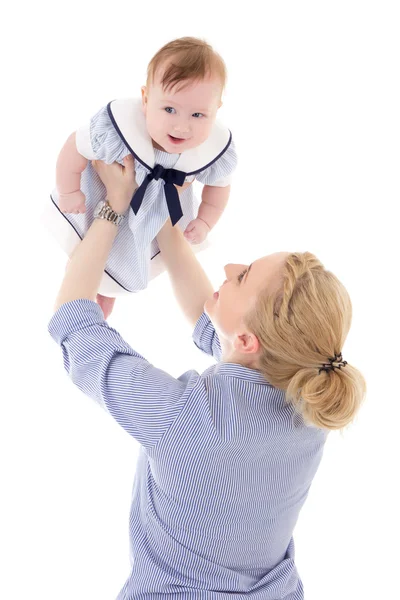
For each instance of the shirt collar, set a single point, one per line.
(240, 372)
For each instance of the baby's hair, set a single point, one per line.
(300, 328)
(186, 60)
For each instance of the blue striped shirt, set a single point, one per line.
(224, 468)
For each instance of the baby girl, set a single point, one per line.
(174, 137)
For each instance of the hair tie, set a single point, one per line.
(336, 362)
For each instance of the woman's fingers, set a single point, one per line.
(128, 162)
(129, 168)
(119, 181)
(115, 172)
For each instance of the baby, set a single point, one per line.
(174, 138)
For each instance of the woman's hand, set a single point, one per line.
(119, 181)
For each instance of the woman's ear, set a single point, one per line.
(246, 343)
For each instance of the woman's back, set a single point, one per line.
(216, 502)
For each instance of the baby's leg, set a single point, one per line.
(106, 304)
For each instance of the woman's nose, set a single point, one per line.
(232, 270)
(227, 269)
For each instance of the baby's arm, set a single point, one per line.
(213, 202)
(70, 165)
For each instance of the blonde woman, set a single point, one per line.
(228, 456)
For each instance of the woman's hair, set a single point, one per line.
(184, 60)
(300, 328)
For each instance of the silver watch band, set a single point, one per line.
(103, 210)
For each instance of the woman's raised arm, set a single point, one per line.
(189, 281)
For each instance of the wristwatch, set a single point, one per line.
(104, 211)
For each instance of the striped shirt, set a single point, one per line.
(224, 468)
(134, 247)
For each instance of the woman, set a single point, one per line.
(228, 456)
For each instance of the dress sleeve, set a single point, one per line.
(219, 174)
(144, 400)
(206, 339)
(100, 141)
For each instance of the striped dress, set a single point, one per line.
(224, 469)
(135, 246)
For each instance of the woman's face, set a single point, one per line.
(229, 306)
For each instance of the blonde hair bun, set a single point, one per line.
(299, 327)
(327, 399)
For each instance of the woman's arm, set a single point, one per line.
(144, 400)
(85, 269)
(190, 283)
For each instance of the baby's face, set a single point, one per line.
(181, 120)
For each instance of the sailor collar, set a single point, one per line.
(129, 122)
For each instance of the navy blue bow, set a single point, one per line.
(171, 177)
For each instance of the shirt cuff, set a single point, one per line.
(198, 332)
(73, 316)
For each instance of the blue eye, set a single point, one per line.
(197, 115)
(242, 274)
(169, 110)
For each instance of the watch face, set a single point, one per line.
(103, 211)
(98, 208)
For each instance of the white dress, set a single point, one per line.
(117, 130)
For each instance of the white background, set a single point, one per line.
(313, 102)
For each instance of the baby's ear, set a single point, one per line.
(144, 97)
(220, 104)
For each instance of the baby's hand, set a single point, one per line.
(72, 203)
(197, 231)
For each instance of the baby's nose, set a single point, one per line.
(182, 128)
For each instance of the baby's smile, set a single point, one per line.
(176, 140)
